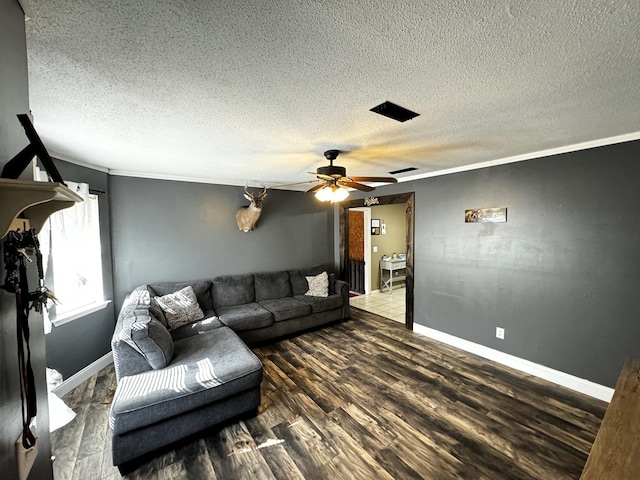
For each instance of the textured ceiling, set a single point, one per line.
(241, 91)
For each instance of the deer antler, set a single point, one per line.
(261, 195)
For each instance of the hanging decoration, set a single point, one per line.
(247, 217)
(18, 249)
(485, 215)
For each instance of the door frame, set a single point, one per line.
(409, 200)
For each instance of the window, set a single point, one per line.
(72, 259)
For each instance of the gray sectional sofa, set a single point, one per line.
(178, 378)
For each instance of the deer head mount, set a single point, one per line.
(248, 216)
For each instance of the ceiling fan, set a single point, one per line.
(332, 177)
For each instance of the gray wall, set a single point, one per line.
(14, 99)
(171, 231)
(561, 275)
(74, 345)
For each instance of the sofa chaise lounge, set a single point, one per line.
(181, 357)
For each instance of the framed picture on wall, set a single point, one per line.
(485, 215)
(375, 226)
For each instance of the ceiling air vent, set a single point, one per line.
(394, 111)
(403, 170)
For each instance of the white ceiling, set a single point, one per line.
(235, 91)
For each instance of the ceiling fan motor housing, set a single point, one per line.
(334, 171)
(335, 176)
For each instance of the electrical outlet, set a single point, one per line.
(375, 249)
(500, 333)
(25, 458)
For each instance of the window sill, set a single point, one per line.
(79, 313)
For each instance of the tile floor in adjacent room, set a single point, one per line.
(386, 304)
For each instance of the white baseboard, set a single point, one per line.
(84, 374)
(555, 376)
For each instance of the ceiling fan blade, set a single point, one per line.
(375, 179)
(315, 188)
(322, 176)
(357, 186)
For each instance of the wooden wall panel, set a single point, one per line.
(356, 236)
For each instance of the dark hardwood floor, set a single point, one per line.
(363, 399)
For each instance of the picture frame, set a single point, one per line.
(375, 226)
(485, 215)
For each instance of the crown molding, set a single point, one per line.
(60, 156)
(628, 137)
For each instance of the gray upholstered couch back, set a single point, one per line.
(220, 292)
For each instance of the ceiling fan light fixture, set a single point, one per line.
(331, 193)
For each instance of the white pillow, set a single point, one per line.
(180, 308)
(318, 285)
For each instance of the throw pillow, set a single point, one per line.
(180, 308)
(318, 285)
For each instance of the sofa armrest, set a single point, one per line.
(126, 359)
(342, 288)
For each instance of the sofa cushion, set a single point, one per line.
(180, 308)
(202, 289)
(321, 304)
(232, 290)
(245, 317)
(208, 323)
(318, 285)
(146, 335)
(286, 308)
(156, 311)
(272, 285)
(299, 285)
(139, 296)
(206, 368)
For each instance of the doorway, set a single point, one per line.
(364, 206)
